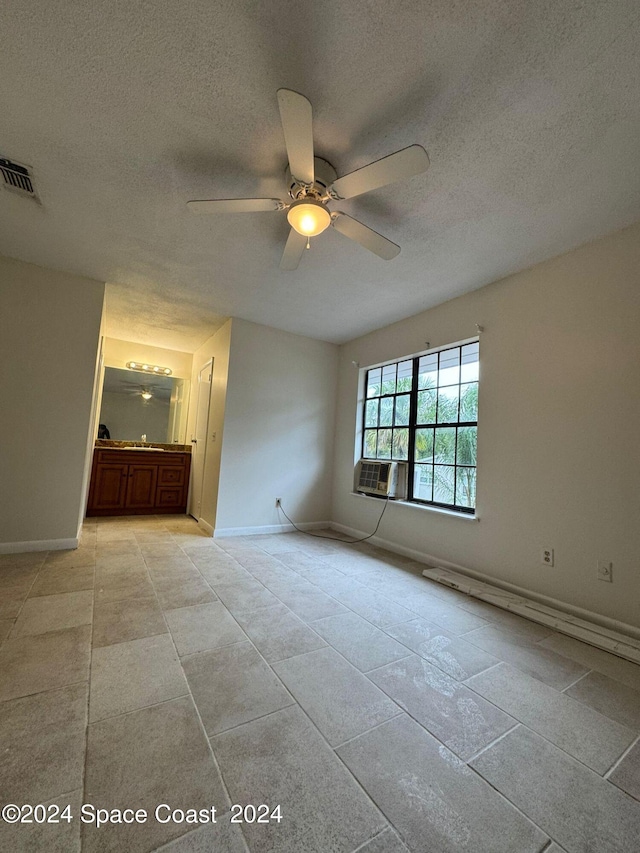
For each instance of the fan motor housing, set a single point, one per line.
(325, 175)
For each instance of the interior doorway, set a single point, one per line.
(199, 440)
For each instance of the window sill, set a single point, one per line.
(451, 513)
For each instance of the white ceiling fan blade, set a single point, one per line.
(293, 250)
(396, 167)
(367, 237)
(235, 205)
(296, 117)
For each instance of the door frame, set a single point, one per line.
(208, 363)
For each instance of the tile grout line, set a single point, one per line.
(383, 629)
(309, 626)
(411, 654)
(540, 734)
(573, 683)
(564, 751)
(513, 805)
(321, 590)
(400, 707)
(400, 713)
(334, 749)
(483, 672)
(365, 844)
(253, 720)
(348, 770)
(493, 742)
(86, 733)
(188, 694)
(621, 758)
(142, 708)
(26, 598)
(296, 704)
(214, 759)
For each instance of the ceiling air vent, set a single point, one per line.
(17, 178)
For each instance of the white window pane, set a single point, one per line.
(384, 444)
(449, 373)
(469, 368)
(405, 375)
(443, 483)
(423, 482)
(448, 399)
(400, 444)
(466, 487)
(389, 379)
(386, 411)
(373, 382)
(428, 371)
(371, 413)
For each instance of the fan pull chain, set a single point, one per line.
(308, 244)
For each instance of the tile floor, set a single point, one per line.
(381, 711)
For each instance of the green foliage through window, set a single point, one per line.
(424, 411)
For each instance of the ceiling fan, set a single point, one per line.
(313, 183)
(146, 390)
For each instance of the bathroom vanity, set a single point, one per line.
(138, 481)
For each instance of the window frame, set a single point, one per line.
(414, 425)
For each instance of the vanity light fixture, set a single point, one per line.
(149, 368)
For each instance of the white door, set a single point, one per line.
(199, 441)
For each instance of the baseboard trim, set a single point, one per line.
(430, 560)
(38, 545)
(269, 528)
(204, 525)
(616, 642)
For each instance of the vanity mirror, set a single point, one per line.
(136, 404)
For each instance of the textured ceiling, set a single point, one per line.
(530, 112)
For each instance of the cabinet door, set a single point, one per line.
(110, 486)
(141, 487)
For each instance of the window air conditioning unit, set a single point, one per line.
(387, 479)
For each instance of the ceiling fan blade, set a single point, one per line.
(296, 117)
(293, 250)
(396, 167)
(235, 205)
(366, 236)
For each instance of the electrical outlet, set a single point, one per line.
(277, 501)
(605, 571)
(546, 556)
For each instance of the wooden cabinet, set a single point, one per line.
(136, 482)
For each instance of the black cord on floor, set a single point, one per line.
(336, 538)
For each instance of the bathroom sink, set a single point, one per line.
(155, 449)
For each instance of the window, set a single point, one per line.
(424, 411)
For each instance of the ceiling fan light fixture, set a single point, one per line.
(308, 217)
(146, 395)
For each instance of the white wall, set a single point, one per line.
(278, 428)
(216, 348)
(49, 336)
(118, 352)
(559, 413)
